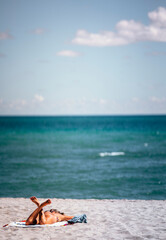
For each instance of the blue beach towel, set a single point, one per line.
(79, 219)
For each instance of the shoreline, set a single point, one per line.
(107, 219)
(97, 199)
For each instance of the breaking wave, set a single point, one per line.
(104, 154)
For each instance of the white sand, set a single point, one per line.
(107, 219)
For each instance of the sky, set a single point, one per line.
(86, 57)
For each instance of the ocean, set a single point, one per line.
(83, 157)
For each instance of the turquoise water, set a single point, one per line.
(103, 157)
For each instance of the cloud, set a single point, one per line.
(135, 99)
(158, 100)
(68, 53)
(127, 32)
(158, 18)
(39, 31)
(39, 98)
(103, 101)
(22, 106)
(82, 105)
(5, 35)
(9, 106)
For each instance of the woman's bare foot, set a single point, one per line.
(46, 203)
(35, 200)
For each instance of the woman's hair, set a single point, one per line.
(56, 211)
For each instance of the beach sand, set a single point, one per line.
(107, 219)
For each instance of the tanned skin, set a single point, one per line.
(47, 217)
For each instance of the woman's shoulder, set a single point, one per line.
(47, 213)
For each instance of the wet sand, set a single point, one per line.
(107, 219)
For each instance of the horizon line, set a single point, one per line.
(84, 115)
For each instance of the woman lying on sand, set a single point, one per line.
(47, 217)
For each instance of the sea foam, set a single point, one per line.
(104, 154)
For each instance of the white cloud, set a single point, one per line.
(13, 105)
(68, 53)
(22, 106)
(39, 98)
(5, 35)
(158, 100)
(152, 105)
(158, 17)
(135, 99)
(23, 102)
(102, 101)
(39, 31)
(127, 32)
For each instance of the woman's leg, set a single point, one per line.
(35, 200)
(40, 219)
(67, 218)
(32, 218)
